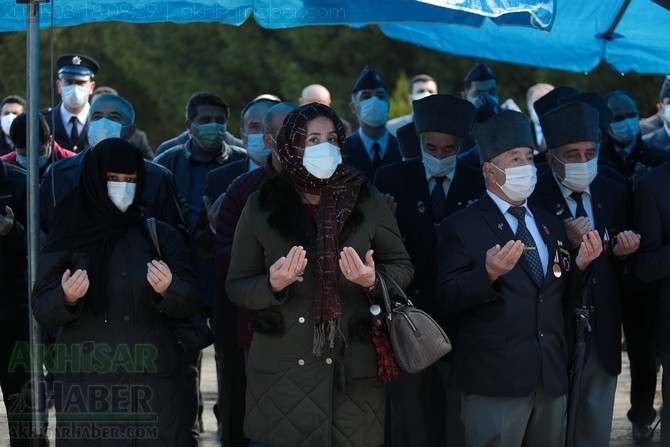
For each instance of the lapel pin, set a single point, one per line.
(500, 226)
(546, 230)
(421, 208)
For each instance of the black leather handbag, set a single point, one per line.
(192, 333)
(417, 340)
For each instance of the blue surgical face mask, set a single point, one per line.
(374, 111)
(103, 129)
(625, 131)
(256, 148)
(23, 160)
(438, 167)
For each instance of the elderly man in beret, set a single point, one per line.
(576, 192)
(504, 270)
(426, 190)
(70, 117)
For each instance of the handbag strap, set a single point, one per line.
(385, 281)
(151, 227)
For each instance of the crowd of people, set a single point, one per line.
(529, 237)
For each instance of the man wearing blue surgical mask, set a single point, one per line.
(76, 73)
(426, 190)
(17, 133)
(371, 146)
(573, 190)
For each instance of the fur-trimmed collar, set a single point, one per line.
(289, 216)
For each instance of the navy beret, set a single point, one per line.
(478, 73)
(77, 66)
(507, 130)
(569, 123)
(369, 79)
(408, 141)
(597, 102)
(443, 113)
(550, 100)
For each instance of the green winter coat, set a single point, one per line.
(293, 397)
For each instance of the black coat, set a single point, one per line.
(13, 265)
(357, 156)
(128, 347)
(511, 333)
(406, 182)
(61, 135)
(610, 214)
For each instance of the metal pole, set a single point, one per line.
(33, 224)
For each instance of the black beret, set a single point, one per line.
(478, 73)
(597, 102)
(77, 66)
(443, 113)
(502, 132)
(369, 79)
(570, 123)
(550, 100)
(665, 89)
(408, 142)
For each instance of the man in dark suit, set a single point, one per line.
(69, 119)
(504, 270)
(652, 217)
(660, 138)
(10, 107)
(426, 190)
(573, 190)
(371, 146)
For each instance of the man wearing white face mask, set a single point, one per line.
(420, 86)
(70, 117)
(574, 191)
(371, 146)
(660, 138)
(10, 107)
(426, 190)
(503, 273)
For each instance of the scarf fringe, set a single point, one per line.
(327, 330)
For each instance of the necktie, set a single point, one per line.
(530, 250)
(74, 132)
(438, 200)
(376, 159)
(580, 211)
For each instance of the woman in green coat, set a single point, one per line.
(303, 260)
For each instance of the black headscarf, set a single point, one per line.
(87, 219)
(339, 194)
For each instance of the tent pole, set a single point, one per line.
(38, 400)
(609, 35)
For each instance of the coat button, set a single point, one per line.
(126, 318)
(539, 298)
(594, 280)
(301, 320)
(540, 334)
(301, 362)
(124, 273)
(329, 360)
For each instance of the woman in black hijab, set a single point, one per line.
(303, 259)
(100, 281)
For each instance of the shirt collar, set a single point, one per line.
(504, 206)
(81, 116)
(368, 142)
(565, 191)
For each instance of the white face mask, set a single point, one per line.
(322, 160)
(103, 129)
(256, 148)
(666, 112)
(420, 95)
(625, 131)
(7, 122)
(122, 194)
(578, 176)
(519, 182)
(74, 96)
(374, 111)
(438, 167)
